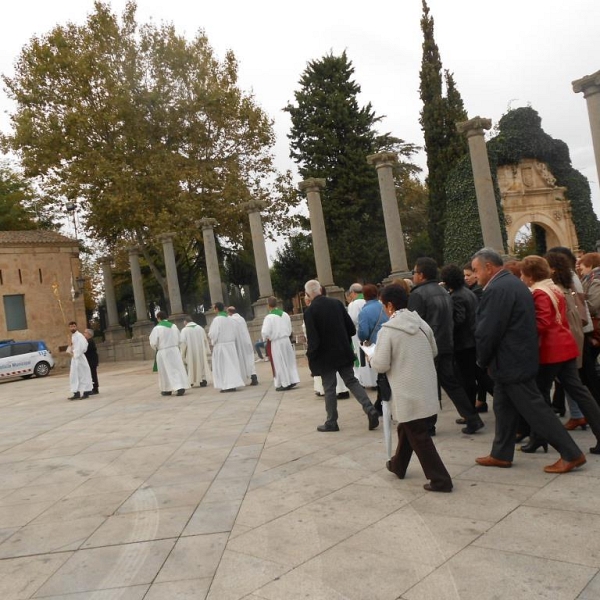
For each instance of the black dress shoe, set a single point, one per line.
(203, 383)
(229, 390)
(75, 396)
(430, 488)
(254, 380)
(328, 427)
(373, 420)
(94, 392)
(482, 408)
(85, 395)
(343, 395)
(180, 391)
(166, 393)
(595, 449)
(473, 427)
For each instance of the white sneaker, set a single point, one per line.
(258, 360)
(266, 359)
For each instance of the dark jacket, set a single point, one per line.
(92, 353)
(464, 303)
(477, 290)
(329, 330)
(434, 305)
(506, 334)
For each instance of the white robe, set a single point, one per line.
(193, 344)
(226, 366)
(171, 370)
(243, 346)
(365, 375)
(80, 376)
(278, 329)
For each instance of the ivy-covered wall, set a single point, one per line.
(520, 135)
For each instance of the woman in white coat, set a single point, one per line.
(404, 352)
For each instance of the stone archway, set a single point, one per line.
(530, 195)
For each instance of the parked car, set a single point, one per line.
(24, 359)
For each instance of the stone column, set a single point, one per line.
(171, 268)
(265, 287)
(484, 187)
(142, 325)
(312, 187)
(384, 163)
(113, 331)
(590, 86)
(212, 261)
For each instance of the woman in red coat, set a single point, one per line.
(558, 348)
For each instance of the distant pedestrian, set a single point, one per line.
(91, 355)
(80, 376)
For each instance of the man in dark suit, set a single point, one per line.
(92, 357)
(329, 330)
(507, 345)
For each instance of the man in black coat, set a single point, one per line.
(434, 305)
(92, 357)
(507, 346)
(329, 330)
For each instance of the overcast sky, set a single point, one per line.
(503, 54)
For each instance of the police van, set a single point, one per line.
(24, 359)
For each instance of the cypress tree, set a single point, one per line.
(443, 144)
(331, 137)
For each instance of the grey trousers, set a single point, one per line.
(329, 384)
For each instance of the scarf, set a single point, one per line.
(553, 291)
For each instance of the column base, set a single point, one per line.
(397, 275)
(260, 308)
(114, 333)
(177, 319)
(142, 328)
(333, 291)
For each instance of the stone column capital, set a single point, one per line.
(382, 159)
(253, 206)
(474, 126)
(206, 223)
(166, 237)
(105, 260)
(589, 85)
(133, 250)
(312, 184)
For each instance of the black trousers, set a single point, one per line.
(444, 365)
(413, 436)
(524, 398)
(94, 370)
(466, 364)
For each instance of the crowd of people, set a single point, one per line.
(513, 331)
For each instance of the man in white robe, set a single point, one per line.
(226, 365)
(243, 346)
(362, 371)
(193, 344)
(164, 339)
(80, 375)
(276, 329)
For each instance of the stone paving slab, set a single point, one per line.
(132, 496)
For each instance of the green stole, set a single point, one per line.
(277, 311)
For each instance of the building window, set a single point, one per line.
(41, 279)
(14, 309)
(1, 280)
(20, 277)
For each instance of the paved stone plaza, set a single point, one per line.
(131, 496)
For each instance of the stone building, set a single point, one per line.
(40, 288)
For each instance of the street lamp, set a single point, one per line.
(72, 209)
(80, 283)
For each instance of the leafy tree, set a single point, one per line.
(19, 206)
(331, 137)
(443, 144)
(146, 130)
(293, 266)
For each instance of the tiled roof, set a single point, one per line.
(34, 236)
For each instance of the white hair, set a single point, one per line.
(312, 288)
(356, 288)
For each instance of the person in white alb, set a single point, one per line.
(164, 339)
(80, 376)
(194, 348)
(243, 346)
(277, 329)
(227, 374)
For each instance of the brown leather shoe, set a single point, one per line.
(572, 424)
(490, 461)
(564, 466)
